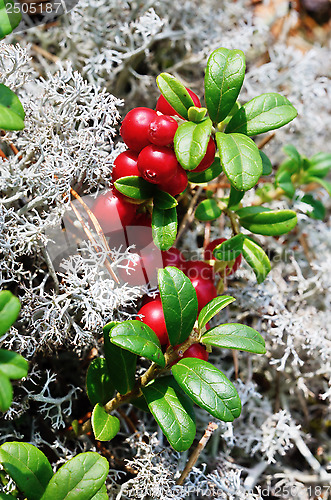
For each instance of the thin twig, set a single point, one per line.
(190, 211)
(45, 53)
(197, 452)
(2, 155)
(265, 140)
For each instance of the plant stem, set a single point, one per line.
(234, 221)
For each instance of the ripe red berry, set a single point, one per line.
(135, 128)
(164, 107)
(208, 255)
(125, 165)
(162, 130)
(205, 291)
(176, 184)
(209, 157)
(196, 351)
(195, 268)
(157, 163)
(154, 318)
(113, 212)
(173, 257)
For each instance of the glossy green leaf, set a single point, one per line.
(319, 165)
(121, 363)
(28, 467)
(191, 141)
(79, 478)
(163, 200)
(105, 426)
(9, 310)
(6, 392)
(318, 209)
(208, 387)
(175, 93)
(13, 365)
(138, 338)
(9, 18)
(266, 164)
(263, 113)
(235, 197)
(140, 403)
(240, 159)
(224, 77)
(173, 411)
(284, 181)
(256, 258)
(179, 302)
(11, 110)
(230, 249)
(325, 184)
(102, 494)
(207, 175)
(164, 227)
(235, 336)
(208, 210)
(99, 385)
(196, 114)
(212, 308)
(268, 222)
(135, 187)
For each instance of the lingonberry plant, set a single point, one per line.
(173, 320)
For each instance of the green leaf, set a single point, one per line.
(28, 467)
(105, 426)
(81, 477)
(212, 308)
(284, 181)
(173, 411)
(318, 211)
(4, 496)
(11, 110)
(207, 175)
(164, 227)
(208, 210)
(208, 387)
(140, 403)
(293, 153)
(266, 164)
(8, 21)
(196, 114)
(6, 392)
(235, 197)
(191, 141)
(229, 249)
(241, 160)
(99, 385)
(319, 165)
(9, 310)
(102, 494)
(175, 93)
(235, 336)
(179, 302)
(256, 258)
(268, 222)
(13, 365)
(138, 338)
(163, 200)
(325, 184)
(263, 113)
(135, 187)
(224, 77)
(121, 363)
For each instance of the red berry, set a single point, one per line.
(196, 351)
(205, 291)
(113, 212)
(164, 107)
(195, 268)
(162, 130)
(176, 184)
(154, 318)
(135, 128)
(157, 164)
(209, 157)
(125, 165)
(173, 257)
(208, 255)
(147, 299)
